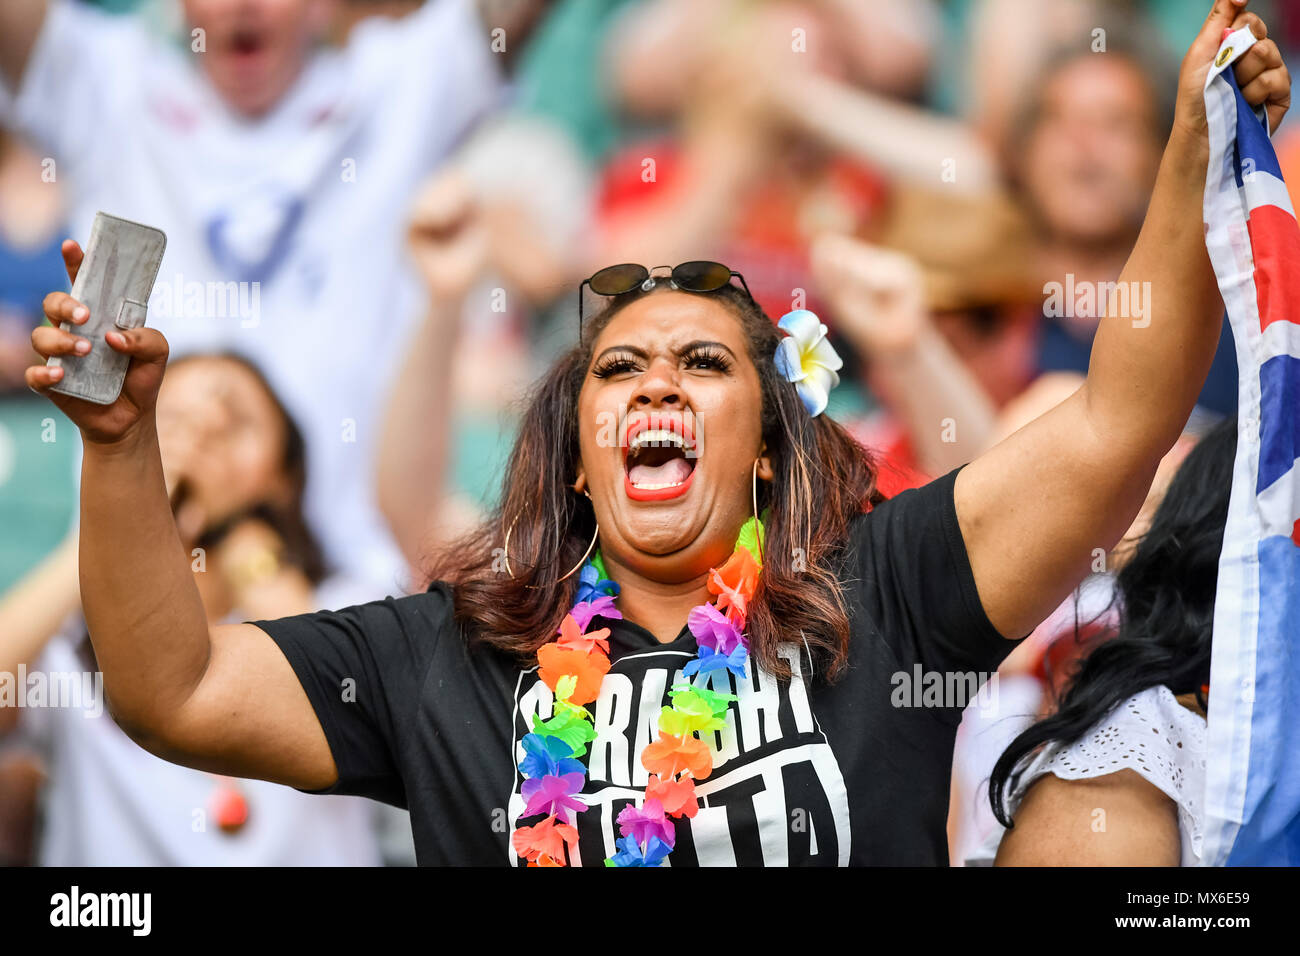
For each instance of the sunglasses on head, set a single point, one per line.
(697, 276)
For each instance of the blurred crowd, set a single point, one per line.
(378, 218)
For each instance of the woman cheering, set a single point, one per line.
(693, 633)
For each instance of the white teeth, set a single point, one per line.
(656, 436)
(656, 487)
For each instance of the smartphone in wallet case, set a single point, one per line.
(115, 281)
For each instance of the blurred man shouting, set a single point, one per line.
(281, 170)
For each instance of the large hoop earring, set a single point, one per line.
(754, 490)
(505, 552)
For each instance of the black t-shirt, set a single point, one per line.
(806, 772)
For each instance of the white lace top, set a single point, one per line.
(1151, 734)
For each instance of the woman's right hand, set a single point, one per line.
(99, 424)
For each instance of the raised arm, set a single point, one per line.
(878, 300)
(20, 25)
(907, 143)
(448, 240)
(225, 699)
(1036, 508)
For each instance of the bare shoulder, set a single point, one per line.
(1116, 820)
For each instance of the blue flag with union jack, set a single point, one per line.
(1252, 799)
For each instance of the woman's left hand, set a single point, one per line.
(1261, 74)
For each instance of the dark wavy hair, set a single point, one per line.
(1166, 602)
(823, 478)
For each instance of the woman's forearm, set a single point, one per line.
(1037, 509)
(1157, 340)
(142, 607)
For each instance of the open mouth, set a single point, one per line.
(660, 456)
(246, 43)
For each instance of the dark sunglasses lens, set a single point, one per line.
(615, 280)
(701, 276)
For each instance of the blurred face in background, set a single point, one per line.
(222, 438)
(1090, 156)
(255, 49)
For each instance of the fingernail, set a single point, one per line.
(56, 372)
(82, 347)
(80, 312)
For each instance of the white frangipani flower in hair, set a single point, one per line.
(806, 358)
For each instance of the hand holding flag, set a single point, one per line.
(1261, 74)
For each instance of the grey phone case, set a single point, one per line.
(115, 281)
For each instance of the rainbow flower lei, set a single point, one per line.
(573, 667)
